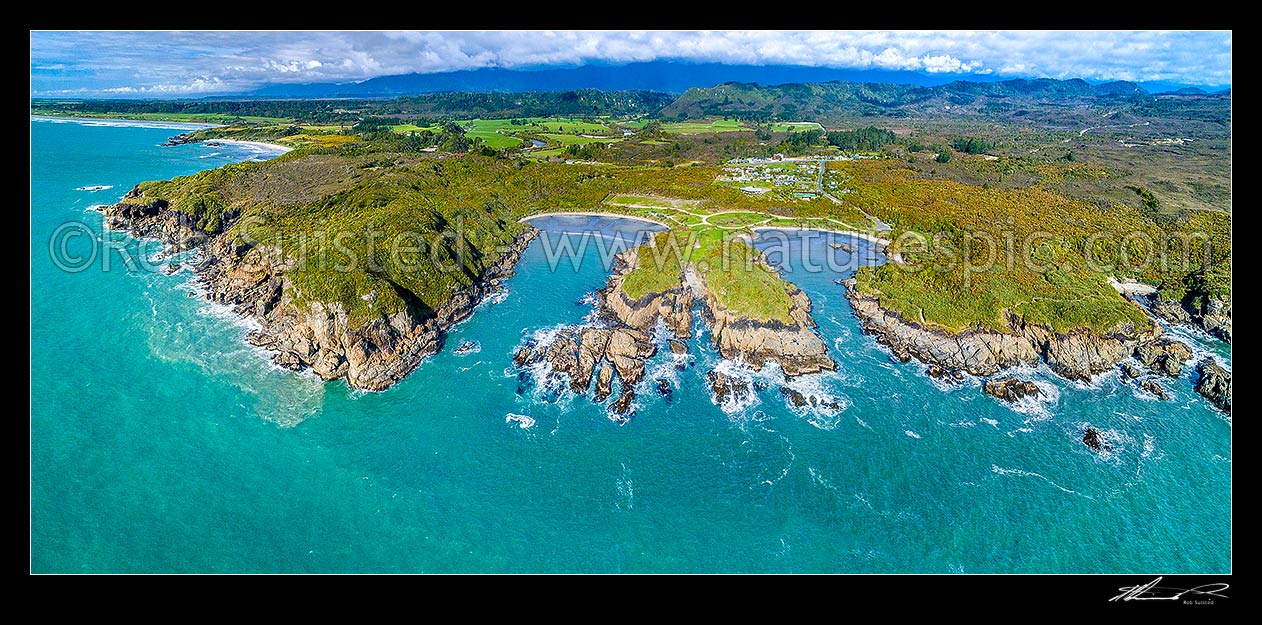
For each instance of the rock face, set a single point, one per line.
(1131, 371)
(1210, 313)
(796, 346)
(942, 373)
(726, 387)
(1214, 384)
(1170, 311)
(1152, 386)
(621, 407)
(318, 335)
(1215, 317)
(801, 400)
(1164, 355)
(673, 306)
(604, 381)
(1011, 389)
(1092, 438)
(1077, 354)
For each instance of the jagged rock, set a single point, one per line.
(527, 355)
(664, 388)
(1214, 384)
(562, 354)
(943, 373)
(794, 397)
(623, 404)
(677, 347)
(591, 351)
(724, 386)
(1170, 310)
(627, 348)
(1077, 354)
(1151, 385)
(1093, 439)
(465, 347)
(1131, 371)
(1164, 355)
(171, 268)
(604, 381)
(1011, 389)
(1216, 318)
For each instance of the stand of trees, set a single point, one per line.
(868, 139)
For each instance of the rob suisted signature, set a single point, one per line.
(1152, 592)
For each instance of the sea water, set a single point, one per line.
(161, 441)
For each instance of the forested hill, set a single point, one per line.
(837, 100)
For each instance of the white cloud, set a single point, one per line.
(136, 63)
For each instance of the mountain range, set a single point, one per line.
(663, 76)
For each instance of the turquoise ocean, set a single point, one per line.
(162, 442)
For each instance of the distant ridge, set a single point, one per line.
(663, 76)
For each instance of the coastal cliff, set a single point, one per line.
(312, 334)
(1077, 354)
(623, 340)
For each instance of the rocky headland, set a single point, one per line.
(317, 335)
(623, 339)
(1077, 354)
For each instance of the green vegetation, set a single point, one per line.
(661, 265)
(700, 127)
(1012, 158)
(868, 139)
(731, 268)
(956, 280)
(973, 145)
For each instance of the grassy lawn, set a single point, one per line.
(577, 140)
(406, 128)
(560, 125)
(495, 139)
(794, 126)
(702, 127)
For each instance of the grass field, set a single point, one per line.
(794, 126)
(406, 128)
(536, 125)
(703, 127)
(577, 140)
(495, 139)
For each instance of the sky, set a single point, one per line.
(192, 64)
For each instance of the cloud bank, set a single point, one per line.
(197, 63)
